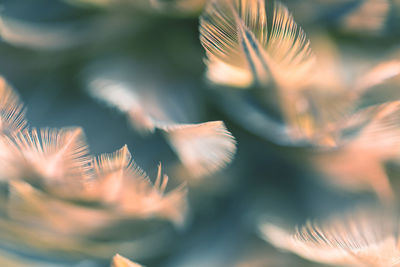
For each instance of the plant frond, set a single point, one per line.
(109, 163)
(368, 140)
(55, 155)
(119, 96)
(110, 171)
(140, 198)
(364, 237)
(235, 36)
(121, 184)
(285, 240)
(381, 134)
(39, 210)
(377, 75)
(203, 148)
(12, 112)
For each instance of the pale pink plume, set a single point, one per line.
(253, 45)
(52, 155)
(59, 196)
(121, 184)
(203, 148)
(327, 112)
(242, 49)
(110, 171)
(362, 238)
(118, 95)
(377, 75)
(38, 210)
(358, 163)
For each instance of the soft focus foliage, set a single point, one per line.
(263, 113)
(59, 193)
(203, 148)
(361, 238)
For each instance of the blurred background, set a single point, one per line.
(52, 52)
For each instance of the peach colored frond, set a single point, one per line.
(234, 33)
(225, 74)
(110, 172)
(284, 240)
(55, 155)
(381, 134)
(365, 237)
(140, 198)
(121, 184)
(358, 162)
(12, 112)
(109, 163)
(119, 261)
(118, 95)
(203, 148)
(377, 75)
(39, 210)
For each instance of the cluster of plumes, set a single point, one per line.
(260, 49)
(255, 49)
(271, 79)
(57, 191)
(212, 146)
(56, 197)
(203, 148)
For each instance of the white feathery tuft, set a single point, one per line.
(203, 148)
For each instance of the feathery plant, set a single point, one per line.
(313, 93)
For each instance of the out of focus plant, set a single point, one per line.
(59, 198)
(322, 96)
(363, 237)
